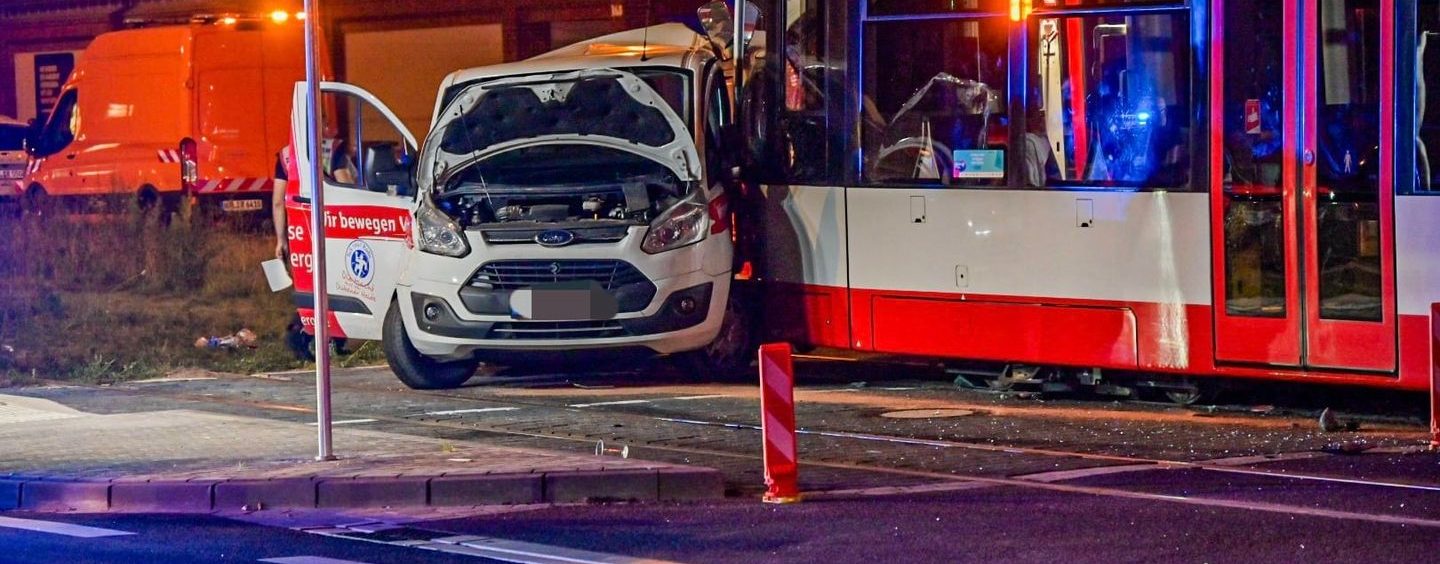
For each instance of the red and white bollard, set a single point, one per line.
(1434, 377)
(777, 423)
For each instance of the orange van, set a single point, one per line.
(185, 113)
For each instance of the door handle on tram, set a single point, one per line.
(1309, 157)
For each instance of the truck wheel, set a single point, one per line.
(35, 201)
(730, 354)
(416, 370)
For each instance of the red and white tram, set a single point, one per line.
(1190, 187)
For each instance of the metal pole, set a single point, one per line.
(317, 230)
(738, 51)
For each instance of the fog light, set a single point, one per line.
(432, 312)
(685, 306)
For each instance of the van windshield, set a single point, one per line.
(12, 137)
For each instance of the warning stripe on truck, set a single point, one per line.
(168, 155)
(233, 185)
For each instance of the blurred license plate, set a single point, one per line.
(563, 301)
(242, 205)
(13, 173)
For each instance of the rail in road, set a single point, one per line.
(846, 450)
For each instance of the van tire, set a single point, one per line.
(730, 355)
(147, 198)
(35, 202)
(414, 369)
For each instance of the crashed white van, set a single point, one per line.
(575, 201)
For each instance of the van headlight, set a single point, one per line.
(439, 234)
(682, 225)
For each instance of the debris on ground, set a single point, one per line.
(1350, 447)
(1330, 423)
(242, 338)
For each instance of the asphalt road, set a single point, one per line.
(971, 476)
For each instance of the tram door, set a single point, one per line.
(1303, 183)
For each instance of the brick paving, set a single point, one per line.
(94, 462)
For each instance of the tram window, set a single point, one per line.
(808, 82)
(1427, 97)
(1114, 96)
(933, 95)
(902, 7)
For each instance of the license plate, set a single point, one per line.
(563, 301)
(242, 205)
(13, 174)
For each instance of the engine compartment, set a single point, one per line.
(561, 186)
(635, 200)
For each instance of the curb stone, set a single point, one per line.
(40, 494)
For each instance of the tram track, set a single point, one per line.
(937, 479)
(598, 410)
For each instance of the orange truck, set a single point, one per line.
(179, 114)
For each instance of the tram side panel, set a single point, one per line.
(1417, 284)
(1105, 279)
(806, 265)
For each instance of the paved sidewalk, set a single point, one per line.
(53, 458)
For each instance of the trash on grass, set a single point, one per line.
(242, 338)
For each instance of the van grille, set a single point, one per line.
(553, 330)
(516, 274)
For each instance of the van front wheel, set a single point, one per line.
(730, 354)
(414, 369)
(35, 201)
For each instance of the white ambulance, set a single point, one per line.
(13, 159)
(575, 201)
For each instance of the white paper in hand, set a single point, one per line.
(276, 274)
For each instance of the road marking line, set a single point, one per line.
(624, 402)
(528, 553)
(52, 527)
(477, 410)
(309, 560)
(174, 380)
(350, 421)
(900, 490)
(1066, 475)
(1263, 458)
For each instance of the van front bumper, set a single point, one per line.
(688, 317)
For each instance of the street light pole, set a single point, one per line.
(317, 230)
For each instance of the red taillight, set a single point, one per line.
(189, 163)
(719, 210)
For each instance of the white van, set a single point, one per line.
(575, 201)
(13, 158)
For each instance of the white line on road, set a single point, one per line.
(1067, 475)
(477, 410)
(527, 553)
(350, 421)
(309, 560)
(52, 527)
(625, 402)
(900, 490)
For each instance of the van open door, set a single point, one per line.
(368, 184)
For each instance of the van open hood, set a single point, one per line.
(603, 107)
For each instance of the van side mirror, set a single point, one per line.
(387, 172)
(719, 24)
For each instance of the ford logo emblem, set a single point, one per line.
(555, 238)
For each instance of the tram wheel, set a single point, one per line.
(1191, 393)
